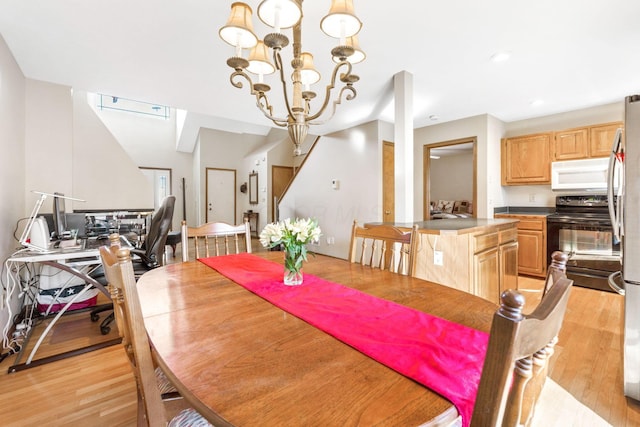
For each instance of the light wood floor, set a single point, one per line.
(98, 389)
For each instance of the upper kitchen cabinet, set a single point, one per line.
(571, 144)
(585, 142)
(601, 138)
(526, 159)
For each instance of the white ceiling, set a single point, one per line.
(570, 54)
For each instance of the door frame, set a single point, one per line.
(426, 165)
(388, 175)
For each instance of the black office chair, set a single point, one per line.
(148, 256)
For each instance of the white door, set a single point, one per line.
(221, 195)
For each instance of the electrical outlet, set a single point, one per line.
(437, 258)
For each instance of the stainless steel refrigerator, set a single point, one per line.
(624, 207)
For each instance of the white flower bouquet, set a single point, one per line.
(293, 236)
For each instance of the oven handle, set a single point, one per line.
(588, 222)
(612, 282)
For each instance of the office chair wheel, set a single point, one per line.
(104, 330)
(95, 317)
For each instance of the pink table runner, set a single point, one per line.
(444, 356)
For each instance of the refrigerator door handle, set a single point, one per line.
(611, 196)
(612, 282)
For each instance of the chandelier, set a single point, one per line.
(340, 23)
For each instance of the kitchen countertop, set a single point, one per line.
(451, 226)
(525, 210)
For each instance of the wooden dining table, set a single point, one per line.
(242, 361)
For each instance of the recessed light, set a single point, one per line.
(500, 56)
(536, 102)
(433, 117)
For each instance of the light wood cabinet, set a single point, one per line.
(495, 263)
(571, 144)
(601, 138)
(584, 143)
(508, 253)
(532, 243)
(486, 268)
(483, 261)
(525, 159)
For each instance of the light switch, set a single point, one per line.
(335, 184)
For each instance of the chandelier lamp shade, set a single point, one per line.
(264, 58)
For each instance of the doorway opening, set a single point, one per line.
(461, 153)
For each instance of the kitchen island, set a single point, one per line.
(475, 255)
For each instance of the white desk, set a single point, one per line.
(80, 263)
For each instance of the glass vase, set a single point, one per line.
(292, 278)
(293, 258)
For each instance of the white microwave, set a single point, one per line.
(587, 174)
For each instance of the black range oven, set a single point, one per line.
(581, 228)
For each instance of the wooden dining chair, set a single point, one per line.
(128, 313)
(216, 238)
(167, 389)
(517, 359)
(384, 247)
(556, 269)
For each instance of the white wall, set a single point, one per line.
(48, 141)
(353, 157)
(258, 162)
(104, 174)
(12, 162)
(74, 153)
(492, 160)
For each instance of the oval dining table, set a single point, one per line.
(242, 361)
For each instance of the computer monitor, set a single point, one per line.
(59, 218)
(77, 222)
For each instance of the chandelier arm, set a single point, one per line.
(331, 86)
(261, 99)
(278, 61)
(238, 84)
(276, 121)
(262, 102)
(335, 104)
